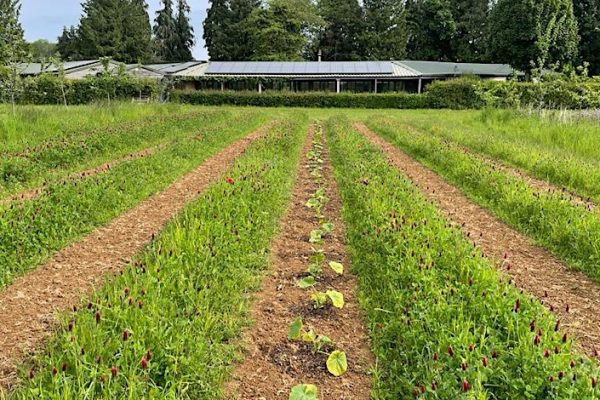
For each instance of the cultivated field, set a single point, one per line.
(185, 252)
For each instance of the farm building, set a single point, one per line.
(298, 76)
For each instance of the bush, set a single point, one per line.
(307, 99)
(48, 89)
(456, 94)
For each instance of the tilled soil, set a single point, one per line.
(273, 364)
(28, 307)
(572, 296)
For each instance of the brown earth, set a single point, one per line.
(273, 364)
(571, 295)
(28, 307)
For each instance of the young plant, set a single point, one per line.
(322, 299)
(304, 392)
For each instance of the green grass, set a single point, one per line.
(425, 289)
(571, 232)
(193, 282)
(31, 231)
(562, 151)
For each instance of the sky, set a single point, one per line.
(44, 19)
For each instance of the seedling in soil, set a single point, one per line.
(337, 267)
(337, 364)
(304, 392)
(327, 228)
(307, 282)
(322, 299)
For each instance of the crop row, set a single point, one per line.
(31, 231)
(33, 125)
(444, 324)
(57, 159)
(165, 328)
(565, 154)
(569, 231)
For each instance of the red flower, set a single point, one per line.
(148, 355)
(594, 382)
(484, 361)
(64, 367)
(125, 335)
(466, 386)
(54, 371)
(97, 317)
(113, 371)
(144, 363)
(230, 180)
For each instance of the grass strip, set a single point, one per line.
(166, 327)
(56, 159)
(443, 323)
(571, 232)
(31, 231)
(564, 154)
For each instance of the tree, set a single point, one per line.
(533, 34)
(68, 45)
(165, 33)
(185, 33)
(281, 30)
(13, 49)
(339, 38)
(431, 30)
(587, 13)
(227, 29)
(41, 50)
(385, 35)
(119, 29)
(471, 19)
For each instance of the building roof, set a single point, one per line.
(299, 68)
(173, 68)
(438, 68)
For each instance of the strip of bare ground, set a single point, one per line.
(538, 185)
(273, 364)
(28, 307)
(572, 296)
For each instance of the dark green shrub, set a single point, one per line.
(306, 99)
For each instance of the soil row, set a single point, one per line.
(573, 297)
(28, 308)
(273, 363)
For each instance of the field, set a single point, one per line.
(179, 252)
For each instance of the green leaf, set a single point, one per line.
(337, 267)
(304, 392)
(337, 364)
(319, 298)
(316, 236)
(336, 298)
(295, 329)
(307, 282)
(312, 203)
(309, 336)
(327, 227)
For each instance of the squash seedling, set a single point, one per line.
(304, 392)
(322, 299)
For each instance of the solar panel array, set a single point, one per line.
(300, 68)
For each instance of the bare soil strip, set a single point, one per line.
(28, 307)
(273, 364)
(572, 296)
(35, 193)
(538, 185)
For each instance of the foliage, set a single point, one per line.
(304, 392)
(338, 39)
(587, 13)
(185, 33)
(385, 34)
(42, 50)
(571, 233)
(439, 314)
(165, 33)
(306, 99)
(431, 30)
(47, 89)
(280, 30)
(471, 18)
(533, 35)
(182, 304)
(227, 30)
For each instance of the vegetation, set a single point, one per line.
(33, 230)
(573, 233)
(443, 323)
(166, 327)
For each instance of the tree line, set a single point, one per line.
(528, 34)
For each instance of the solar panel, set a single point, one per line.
(300, 68)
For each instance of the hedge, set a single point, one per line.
(305, 99)
(554, 94)
(46, 89)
